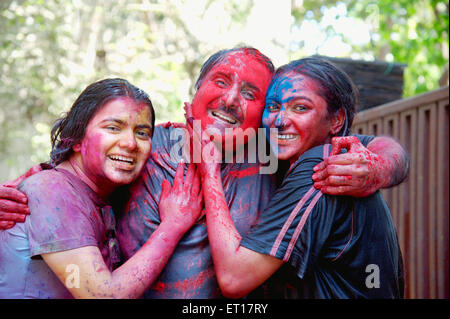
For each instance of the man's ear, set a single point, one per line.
(187, 110)
(337, 122)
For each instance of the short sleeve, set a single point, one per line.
(364, 139)
(298, 219)
(61, 216)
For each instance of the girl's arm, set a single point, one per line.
(84, 272)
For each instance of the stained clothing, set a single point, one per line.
(190, 271)
(336, 246)
(65, 214)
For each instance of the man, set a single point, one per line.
(230, 96)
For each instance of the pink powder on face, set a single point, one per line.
(236, 86)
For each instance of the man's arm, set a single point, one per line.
(362, 171)
(13, 203)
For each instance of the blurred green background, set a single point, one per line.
(51, 50)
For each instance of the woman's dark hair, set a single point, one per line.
(336, 87)
(70, 129)
(221, 55)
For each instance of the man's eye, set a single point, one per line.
(248, 95)
(221, 83)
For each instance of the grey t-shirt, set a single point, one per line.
(65, 214)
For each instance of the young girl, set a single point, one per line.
(66, 248)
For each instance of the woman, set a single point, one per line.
(331, 246)
(67, 247)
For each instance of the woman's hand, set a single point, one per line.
(181, 205)
(204, 152)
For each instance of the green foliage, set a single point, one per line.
(414, 32)
(51, 50)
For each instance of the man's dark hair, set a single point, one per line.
(336, 87)
(222, 54)
(70, 129)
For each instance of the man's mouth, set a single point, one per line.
(226, 118)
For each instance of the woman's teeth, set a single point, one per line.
(122, 159)
(286, 136)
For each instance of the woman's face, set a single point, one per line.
(295, 108)
(116, 143)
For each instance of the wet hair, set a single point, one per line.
(70, 129)
(336, 87)
(219, 56)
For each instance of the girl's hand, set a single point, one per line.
(181, 205)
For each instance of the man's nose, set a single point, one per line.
(232, 97)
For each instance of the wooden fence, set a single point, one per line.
(419, 205)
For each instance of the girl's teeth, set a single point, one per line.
(286, 137)
(122, 159)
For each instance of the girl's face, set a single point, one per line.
(294, 107)
(116, 143)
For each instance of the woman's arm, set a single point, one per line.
(132, 278)
(239, 270)
(128, 281)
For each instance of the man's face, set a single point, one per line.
(231, 95)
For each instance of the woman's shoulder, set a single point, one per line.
(303, 168)
(50, 181)
(45, 177)
(314, 155)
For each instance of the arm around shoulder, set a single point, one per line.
(394, 158)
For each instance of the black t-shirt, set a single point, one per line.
(333, 246)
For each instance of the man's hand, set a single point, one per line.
(181, 205)
(14, 203)
(13, 207)
(357, 173)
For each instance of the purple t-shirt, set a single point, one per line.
(190, 271)
(65, 214)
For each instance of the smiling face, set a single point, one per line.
(295, 108)
(232, 95)
(116, 143)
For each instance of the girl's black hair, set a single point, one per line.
(70, 129)
(336, 87)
